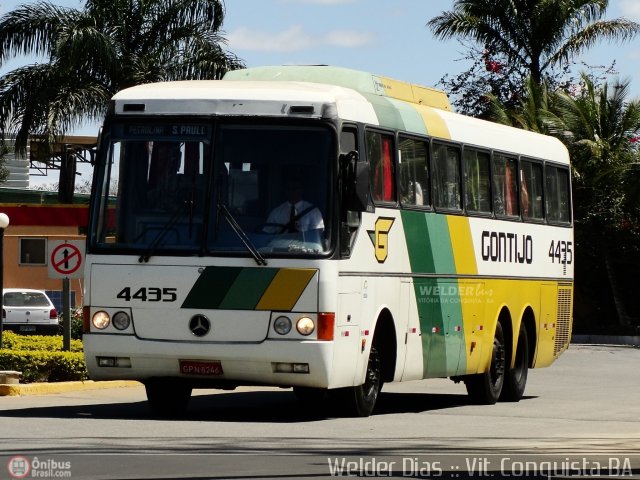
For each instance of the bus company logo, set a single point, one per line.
(21, 467)
(199, 325)
(380, 237)
(18, 467)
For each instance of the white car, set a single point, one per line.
(27, 310)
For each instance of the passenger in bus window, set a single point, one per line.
(295, 214)
(524, 194)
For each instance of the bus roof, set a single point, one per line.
(333, 92)
(414, 108)
(362, 82)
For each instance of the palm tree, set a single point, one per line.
(531, 37)
(94, 52)
(529, 113)
(601, 128)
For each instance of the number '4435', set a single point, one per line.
(148, 294)
(562, 251)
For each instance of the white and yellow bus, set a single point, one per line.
(323, 229)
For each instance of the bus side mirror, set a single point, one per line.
(355, 182)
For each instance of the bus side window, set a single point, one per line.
(531, 190)
(413, 172)
(446, 172)
(380, 156)
(477, 186)
(557, 194)
(505, 186)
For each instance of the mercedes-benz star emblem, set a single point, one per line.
(199, 325)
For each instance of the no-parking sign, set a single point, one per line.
(66, 258)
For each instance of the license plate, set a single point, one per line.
(27, 328)
(194, 367)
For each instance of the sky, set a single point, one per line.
(387, 38)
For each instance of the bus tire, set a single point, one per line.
(485, 388)
(515, 379)
(167, 398)
(361, 400)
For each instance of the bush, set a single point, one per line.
(42, 366)
(14, 341)
(76, 324)
(40, 358)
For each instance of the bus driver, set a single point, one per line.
(295, 214)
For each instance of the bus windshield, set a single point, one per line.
(179, 188)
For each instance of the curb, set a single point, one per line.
(61, 387)
(631, 340)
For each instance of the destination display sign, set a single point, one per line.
(169, 131)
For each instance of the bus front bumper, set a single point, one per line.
(271, 362)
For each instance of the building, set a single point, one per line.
(38, 217)
(35, 219)
(18, 167)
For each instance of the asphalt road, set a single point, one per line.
(580, 418)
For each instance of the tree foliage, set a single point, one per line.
(94, 52)
(601, 128)
(513, 40)
(4, 150)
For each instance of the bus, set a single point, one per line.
(326, 230)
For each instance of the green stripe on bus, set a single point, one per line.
(211, 287)
(438, 229)
(386, 112)
(413, 121)
(248, 288)
(438, 300)
(418, 244)
(229, 288)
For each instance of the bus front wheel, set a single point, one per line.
(485, 388)
(361, 400)
(167, 398)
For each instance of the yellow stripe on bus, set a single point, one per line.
(436, 127)
(412, 93)
(285, 289)
(463, 253)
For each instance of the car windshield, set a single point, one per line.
(247, 189)
(25, 299)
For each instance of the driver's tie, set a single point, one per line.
(292, 219)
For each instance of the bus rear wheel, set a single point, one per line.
(485, 388)
(167, 398)
(515, 380)
(361, 400)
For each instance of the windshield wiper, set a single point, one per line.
(260, 260)
(162, 233)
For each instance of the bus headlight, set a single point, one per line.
(121, 320)
(282, 325)
(100, 320)
(305, 326)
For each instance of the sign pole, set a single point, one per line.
(65, 262)
(4, 223)
(66, 316)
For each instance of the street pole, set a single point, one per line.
(66, 316)
(4, 223)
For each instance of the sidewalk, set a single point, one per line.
(633, 340)
(19, 389)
